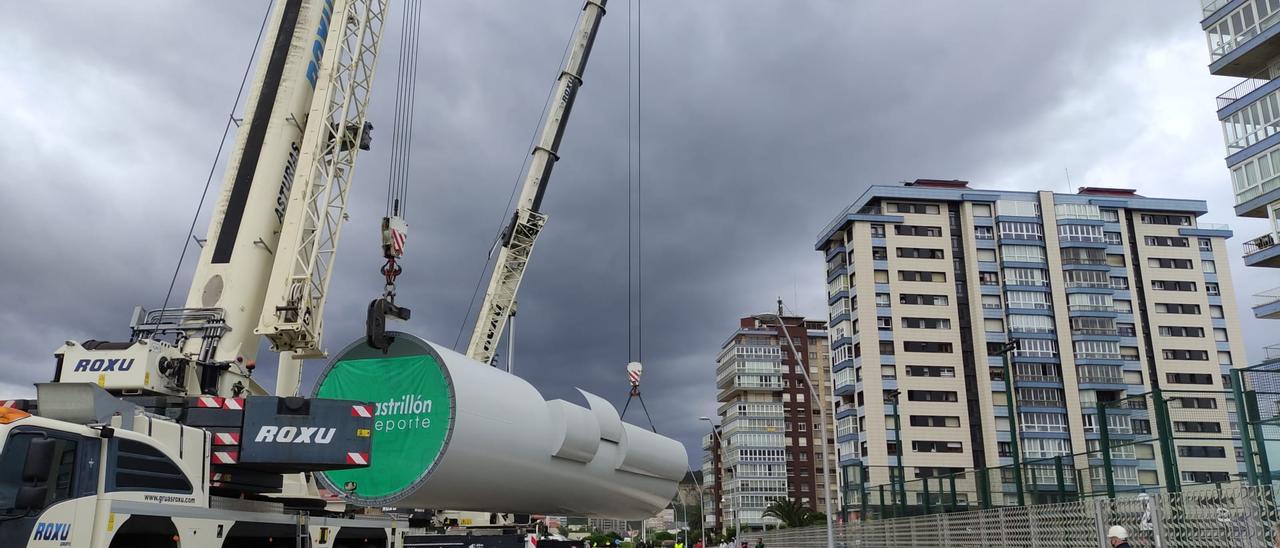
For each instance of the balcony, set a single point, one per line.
(1083, 260)
(1262, 251)
(1100, 379)
(1211, 6)
(1240, 43)
(1096, 331)
(1268, 306)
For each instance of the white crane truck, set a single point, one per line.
(166, 440)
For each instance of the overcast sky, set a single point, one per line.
(761, 120)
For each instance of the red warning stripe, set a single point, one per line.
(213, 402)
(365, 411)
(225, 457)
(226, 438)
(357, 458)
(233, 403)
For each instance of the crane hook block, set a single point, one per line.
(375, 325)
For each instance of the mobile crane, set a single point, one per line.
(167, 439)
(515, 244)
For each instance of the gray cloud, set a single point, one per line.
(761, 120)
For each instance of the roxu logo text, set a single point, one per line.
(114, 364)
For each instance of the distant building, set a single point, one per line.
(769, 424)
(1108, 293)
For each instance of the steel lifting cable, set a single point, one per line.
(635, 222)
(402, 131)
(213, 166)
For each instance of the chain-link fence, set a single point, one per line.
(1157, 441)
(1201, 516)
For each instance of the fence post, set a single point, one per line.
(862, 491)
(1062, 482)
(955, 504)
(1104, 440)
(1164, 432)
(1251, 397)
(1242, 420)
(1157, 523)
(881, 501)
(984, 488)
(1100, 519)
(925, 482)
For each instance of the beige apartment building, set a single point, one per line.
(1108, 294)
(767, 443)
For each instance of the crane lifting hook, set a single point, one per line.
(394, 231)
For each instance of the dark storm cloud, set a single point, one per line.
(761, 120)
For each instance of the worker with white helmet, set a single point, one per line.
(1118, 537)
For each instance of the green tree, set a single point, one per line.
(792, 513)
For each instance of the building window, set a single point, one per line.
(1181, 354)
(924, 446)
(1086, 278)
(1019, 323)
(931, 371)
(1111, 215)
(1189, 378)
(1114, 259)
(1176, 220)
(1028, 299)
(917, 230)
(921, 276)
(926, 323)
(926, 346)
(1077, 211)
(1212, 289)
(1119, 282)
(989, 278)
(919, 253)
(1018, 208)
(1167, 241)
(993, 325)
(981, 210)
(1080, 233)
(1172, 285)
(1215, 311)
(1021, 230)
(1026, 276)
(881, 276)
(1178, 308)
(884, 323)
(1205, 244)
(1181, 331)
(1180, 264)
(1022, 253)
(986, 255)
(882, 300)
(932, 396)
(916, 298)
(1112, 238)
(923, 209)
(983, 233)
(1209, 266)
(877, 231)
(879, 254)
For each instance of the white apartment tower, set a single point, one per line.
(1108, 294)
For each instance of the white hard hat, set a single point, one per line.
(1117, 531)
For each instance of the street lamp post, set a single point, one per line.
(702, 514)
(737, 493)
(822, 415)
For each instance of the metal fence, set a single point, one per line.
(1201, 516)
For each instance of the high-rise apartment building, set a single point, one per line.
(1107, 292)
(1244, 42)
(768, 443)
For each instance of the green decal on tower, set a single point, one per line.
(412, 420)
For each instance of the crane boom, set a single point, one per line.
(292, 314)
(521, 233)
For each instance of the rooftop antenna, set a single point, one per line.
(1068, 172)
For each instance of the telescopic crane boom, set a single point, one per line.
(516, 243)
